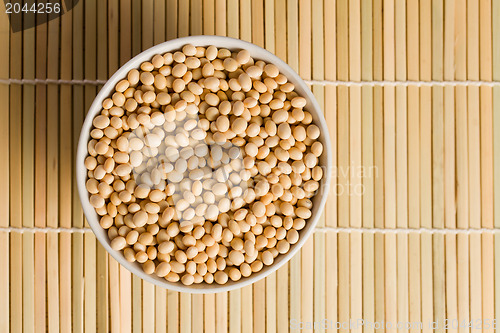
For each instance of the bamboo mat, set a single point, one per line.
(411, 94)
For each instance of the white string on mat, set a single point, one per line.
(51, 81)
(318, 229)
(444, 231)
(24, 230)
(312, 82)
(404, 83)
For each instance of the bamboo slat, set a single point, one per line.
(15, 193)
(114, 296)
(183, 18)
(279, 32)
(208, 17)
(269, 28)
(294, 266)
(233, 19)
(413, 160)
(496, 150)
(245, 20)
(5, 175)
(209, 316)
(160, 309)
(343, 279)
(220, 17)
(136, 304)
(65, 164)
(486, 163)
(292, 33)
(27, 169)
(235, 312)
(257, 22)
(40, 181)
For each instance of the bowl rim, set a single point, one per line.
(169, 46)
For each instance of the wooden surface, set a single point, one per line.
(417, 160)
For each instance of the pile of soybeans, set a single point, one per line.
(202, 165)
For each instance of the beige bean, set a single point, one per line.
(178, 85)
(254, 71)
(101, 121)
(140, 218)
(172, 277)
(146, 238)
(298, 102)
(236, 257)
(239, 125)
(310, 160)
(192, 62)
(267, 258)
(177, 267)
(141, 257)
(313, 132)
(179, 70)
(118, 98)
(286, 209)
(96, 201)
(147, 78)
(230, 64)
(133, 77)
(243, 57)
(180, 256)
(262, 187)
(222, 123)
(256, 266)
(283, 246)
(317, 148)
(251, 149)
(132, 237)
(295, 153)
(166, 247)
(237, 244)
(317, 173)
(245, 82)
(276, 104)
(90, 162)
(147, 66)
(284, 131)
(245, 270)
(259, 209)
(271, 244)
(213, 250)
(201, 257)
(234, 274)
(148, 267)
(271, 70)
(292, 236)
(157, 61)
(129, 254)
(118, 243)
(311, 186)
(280, 116)
(187, 279)
(106, 221)
(163, 269)
(163, 98)
(211, 52)
(212, 99)
(220, 277)
(221, 263)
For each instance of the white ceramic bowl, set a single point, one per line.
(231, 44)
